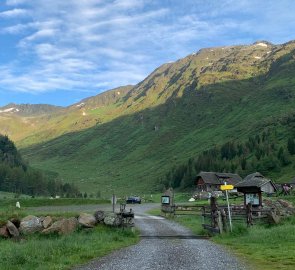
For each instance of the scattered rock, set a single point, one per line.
(279, 209)
(30, 224)
(112, 219)
(273, 218)
(87, 220)
(16, 222)
(99, 216)
(13, 231)
(4, 233)
(63, 226)
(47, 221)
(285, 203)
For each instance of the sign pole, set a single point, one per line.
(228, 208)
(113, 202)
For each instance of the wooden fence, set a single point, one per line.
(215, 218)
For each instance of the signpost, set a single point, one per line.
(113, 201)
(226, 188)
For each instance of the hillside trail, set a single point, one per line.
(165, 245)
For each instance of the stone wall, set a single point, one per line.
(14, 228)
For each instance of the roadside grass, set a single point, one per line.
(266, 247)
(36, 202)
(63, 252)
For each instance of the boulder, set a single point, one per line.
(286, 203)
(4, 233)
(112, 219)
(63, 226)
(30, 224)
(16, 222)
(13, 231)
(99, 216)
(47, 221)
(273, 218)
(87, 220)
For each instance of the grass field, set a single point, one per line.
(62, 252)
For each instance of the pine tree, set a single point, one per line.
(291, 146)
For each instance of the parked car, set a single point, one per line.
(133, 199)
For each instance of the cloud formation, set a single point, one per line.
(96, 45)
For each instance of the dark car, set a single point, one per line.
(133, 199)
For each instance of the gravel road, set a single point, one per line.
(165, 245)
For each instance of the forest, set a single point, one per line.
(263, 152)
(18, 177)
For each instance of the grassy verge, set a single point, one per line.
(267, 247)
(62, 252)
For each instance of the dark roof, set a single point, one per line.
(217, 178)
(254, 180)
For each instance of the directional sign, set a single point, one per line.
(226, 187)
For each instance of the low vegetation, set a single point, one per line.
(62, 252)
(265, 247)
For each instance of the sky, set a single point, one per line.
(61, 51)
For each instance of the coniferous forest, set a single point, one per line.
(18, 177)
(263, 152)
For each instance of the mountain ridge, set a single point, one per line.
(178, 111)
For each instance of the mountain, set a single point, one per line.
(129, 138)
(29, 109)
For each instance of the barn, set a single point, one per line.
(253, 186)
(211, 181)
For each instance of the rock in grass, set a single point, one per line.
(4, 233)
(30, 224)
(13, 231)
(47, 222)
(87, 220)
(112, 219)
(273, 218)
(99, 216)
(63, 226)
(16, 222)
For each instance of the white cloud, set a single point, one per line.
(85, 44)
(17, 12)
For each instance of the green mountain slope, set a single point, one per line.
(183, 108)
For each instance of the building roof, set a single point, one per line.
(217, 178)
(254, 180)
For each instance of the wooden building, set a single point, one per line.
(253, 186)
(211, 181)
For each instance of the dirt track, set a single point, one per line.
(165, 245)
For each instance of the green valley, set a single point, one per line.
(129, 138)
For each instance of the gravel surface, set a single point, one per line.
(165, 245)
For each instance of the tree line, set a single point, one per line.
(17, 177)
(262, 152)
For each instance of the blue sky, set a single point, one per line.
(58, 52)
